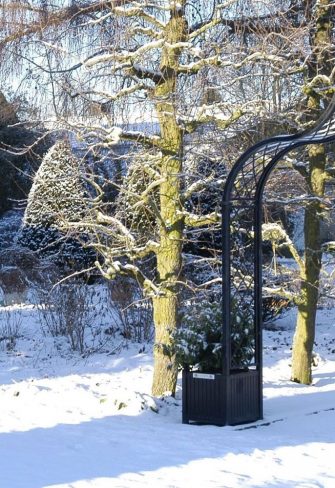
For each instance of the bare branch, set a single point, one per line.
(193, 220)
(275, 233)
(55, 19)
(256, 57)
(116, 268)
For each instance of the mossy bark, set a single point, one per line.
(310, 275)
(171, 226)
(305, 328)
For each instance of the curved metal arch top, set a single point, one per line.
(243, 177)
(241, 230)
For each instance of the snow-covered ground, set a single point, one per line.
(72, 421)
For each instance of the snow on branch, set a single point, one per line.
(137, 10)
(197, 186)
(214, 114)
(143, 198)
(113, 221)
(145, 73)
(305, 199)
(323, 80)
(112, 97)
(147, 31)
(105, 137)
(115, 268)
(196, 66)
(97, 21)
(194, 220)
(145, 139)
(281, 292)
(123, 56)
(276, 233)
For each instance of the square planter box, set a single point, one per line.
(220, 399)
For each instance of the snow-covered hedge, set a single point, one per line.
(57, 196)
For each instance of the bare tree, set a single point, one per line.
(320, 17)
(106, 65)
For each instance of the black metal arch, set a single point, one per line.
(242, 266)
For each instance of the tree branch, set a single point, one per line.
(275, 233)
(195, 221)
(66, 14)
(258, 56)
(124, 56)
(117, 268)
(205, 116)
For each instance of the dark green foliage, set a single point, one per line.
(17, 162)
(57, 197)
(198, 343)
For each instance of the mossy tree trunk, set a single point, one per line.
(307, 307)
(305, 327)
(171, 226)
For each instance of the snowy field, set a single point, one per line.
(69, 421)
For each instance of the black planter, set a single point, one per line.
(222, 399)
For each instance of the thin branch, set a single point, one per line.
(66, 14)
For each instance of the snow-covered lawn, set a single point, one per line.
(68, 421)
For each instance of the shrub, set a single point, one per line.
(198, 342)
(131, 313)
(57, 196)
(71, 310)
(10, 328)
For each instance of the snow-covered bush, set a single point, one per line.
(72, 310)
(198, 343)
(57, 196)
(10, 328)
(17, 166)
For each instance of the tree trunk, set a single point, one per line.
(171, 226)
(305, 328)
(165, 370)
(169, 263)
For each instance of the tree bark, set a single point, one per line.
(165, 370)
(305, 327)
(307, 308)
(171, 226)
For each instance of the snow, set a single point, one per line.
(79, 422)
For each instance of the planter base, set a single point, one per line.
(222, 399)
